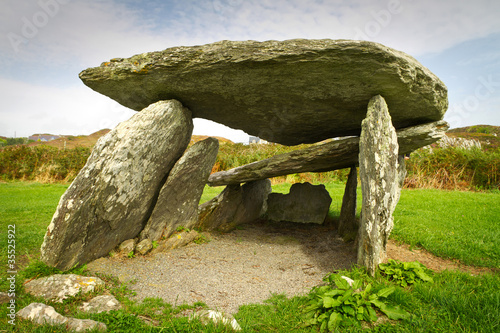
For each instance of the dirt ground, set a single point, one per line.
(249, 264)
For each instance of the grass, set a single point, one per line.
(451, 224)
(459, 225)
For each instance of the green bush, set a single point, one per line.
(41, 163)
(454, 168)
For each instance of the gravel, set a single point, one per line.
(244, 266)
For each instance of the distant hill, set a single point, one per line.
(71, 141)
(90, 140)
(488, 135)
(196, 138)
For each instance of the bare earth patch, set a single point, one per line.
(247, 265)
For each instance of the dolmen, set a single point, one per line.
(361, 103)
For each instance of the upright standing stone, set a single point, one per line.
(178, 201)
(237, 204)
(378, 165)
(111, 198)
(305, 203)
(348, 225)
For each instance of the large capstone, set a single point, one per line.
(380, 183)
(289, 92)
(111, 198)
(177, 204)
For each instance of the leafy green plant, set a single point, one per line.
(131, 254)
(182, 228)
(342, 304)
(201, 239)
(155, 244)
(405, 273)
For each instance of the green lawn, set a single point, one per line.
(451, 224)
(460, 225)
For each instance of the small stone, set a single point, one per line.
(44, 314)
(4, 298)
(104, 303)
(61, 286)
(127, 246)
(144, 246)
(176, 241)
(218, 318)
(305, 203)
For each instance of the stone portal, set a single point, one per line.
(288, 92)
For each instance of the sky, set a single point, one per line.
(45, 44)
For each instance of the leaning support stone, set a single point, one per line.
(348, 225)
(111, 198)
(378, 166)
(334, 155)
(177, 204)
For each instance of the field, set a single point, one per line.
(463, 226)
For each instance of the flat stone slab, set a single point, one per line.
(42, 314)
(58, 287)
(289, 92)
(333, 155)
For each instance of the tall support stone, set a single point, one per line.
(111, 198)
(177, 204)
(348, 226)
(378, 165)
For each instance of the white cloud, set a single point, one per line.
(81, 34)
(75, 110)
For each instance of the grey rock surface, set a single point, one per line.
(44, 314)
(110, 199)
(380, 176)
(333, 155)
(103, 303)
(58, 287)
(144, 246)
(289, 92)
(305, 203)
(4, 298)
(218, 318)
(127, 246)
(176, 241)
(348, 225)
(177, 204)
(235, 205)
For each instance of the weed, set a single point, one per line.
(201, 239)
(405, 273)
(343, 304)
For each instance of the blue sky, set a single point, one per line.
(44, 44)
